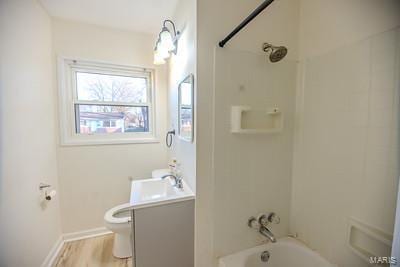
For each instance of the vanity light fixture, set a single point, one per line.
(166, 43)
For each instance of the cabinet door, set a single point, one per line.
(164, 235)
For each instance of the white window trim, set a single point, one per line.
(67, 98)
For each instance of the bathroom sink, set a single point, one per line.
(156, 191)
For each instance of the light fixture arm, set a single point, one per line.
(173, 26)
(169, 44)
(176, 33)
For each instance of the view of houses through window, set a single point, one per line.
(186, 110)
(111, 103)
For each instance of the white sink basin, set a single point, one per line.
(154, 192)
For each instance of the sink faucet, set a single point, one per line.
(178, 180)
(262, 222)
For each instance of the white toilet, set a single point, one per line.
(118, 220)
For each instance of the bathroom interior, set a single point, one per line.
(182, 133)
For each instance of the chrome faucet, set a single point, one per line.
(178, 179)
(262, 222)
(267, 233)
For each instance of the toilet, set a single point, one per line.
(118, 220)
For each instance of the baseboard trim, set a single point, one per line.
(53, 254)
(69, 237)
(49, 261)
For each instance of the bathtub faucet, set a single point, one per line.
(267, 233)
(262, 222)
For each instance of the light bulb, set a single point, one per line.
(162, 51)
(157, 59)
(166, 40)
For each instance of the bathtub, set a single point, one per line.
(287, 252)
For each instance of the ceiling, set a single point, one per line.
(135, 15)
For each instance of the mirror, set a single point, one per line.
(185, 108)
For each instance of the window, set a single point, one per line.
(105, 104)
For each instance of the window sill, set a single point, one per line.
(99, 142)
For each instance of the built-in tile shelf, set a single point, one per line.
(264, 121)
(367, 241)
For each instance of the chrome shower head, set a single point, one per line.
(277, 53)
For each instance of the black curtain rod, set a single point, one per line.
(254, 14)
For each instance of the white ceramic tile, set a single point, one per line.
(252, 173)
(383, 79)
(382, 99)
(348, 150)
(383, 50)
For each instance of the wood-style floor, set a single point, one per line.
(91, 252)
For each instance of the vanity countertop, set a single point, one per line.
(156, 191)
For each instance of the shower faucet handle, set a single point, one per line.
(274, 218)
(268, 218)
(252, 222)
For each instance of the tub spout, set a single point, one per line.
(261, 224)
(267, 233)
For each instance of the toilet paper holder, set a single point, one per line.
(43, 186)
(48, 196)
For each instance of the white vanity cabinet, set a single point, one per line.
(164, 235)
(163, 224)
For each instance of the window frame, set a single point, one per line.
(68, 99)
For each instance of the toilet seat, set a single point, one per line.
(111, 217)
(118, 221)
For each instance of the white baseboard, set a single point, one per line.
(69, 237)
(55, 250)
(86, 234)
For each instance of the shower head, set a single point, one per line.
(277, 53)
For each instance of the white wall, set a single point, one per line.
(347, 134)
(278, 25)
(95, 178)
(29, 228)
(180, 66)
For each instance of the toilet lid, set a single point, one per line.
(111, 215)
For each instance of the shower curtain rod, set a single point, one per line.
(254, 14)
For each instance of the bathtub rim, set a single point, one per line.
(241, 256)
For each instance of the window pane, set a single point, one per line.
(186, 94)
(101, 87)
(186, 122)
(100, 119)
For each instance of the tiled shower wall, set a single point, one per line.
(347, 144)
(252, 171)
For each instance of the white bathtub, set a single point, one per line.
(287, 252)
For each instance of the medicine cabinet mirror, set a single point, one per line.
(185, 108)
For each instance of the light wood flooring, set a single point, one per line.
(91, 252)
